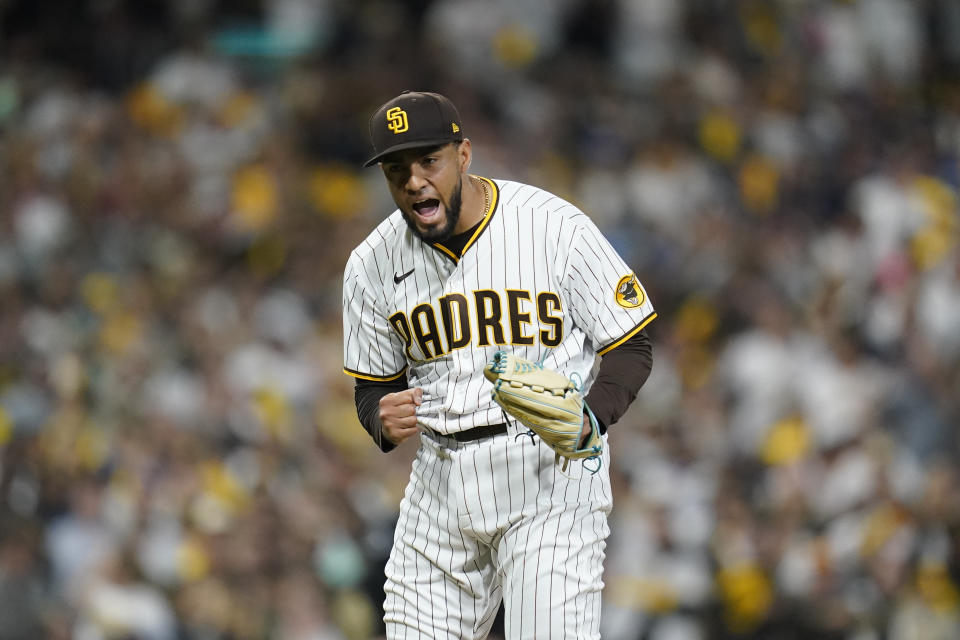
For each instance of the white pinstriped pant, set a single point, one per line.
(497, 519)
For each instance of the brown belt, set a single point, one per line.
(476, 433)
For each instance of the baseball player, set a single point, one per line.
(464, 269)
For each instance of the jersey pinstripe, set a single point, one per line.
(537, 277)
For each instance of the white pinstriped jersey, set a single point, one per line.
(537, 277)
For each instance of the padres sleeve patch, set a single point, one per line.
(629, 294)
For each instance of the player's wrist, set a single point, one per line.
(587, 431)
(591, 427)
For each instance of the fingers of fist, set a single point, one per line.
(398, 413)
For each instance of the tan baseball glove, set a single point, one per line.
(546, 402)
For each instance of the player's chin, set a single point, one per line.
(433, 227)
(437, 233)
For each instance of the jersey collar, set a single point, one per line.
(495, 197)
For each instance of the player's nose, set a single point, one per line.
(415, 182)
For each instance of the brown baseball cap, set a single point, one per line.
(413, 119)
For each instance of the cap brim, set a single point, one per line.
(407, 145)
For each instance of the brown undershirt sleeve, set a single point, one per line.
(366, 395)
(621, 374)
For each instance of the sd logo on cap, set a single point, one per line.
(413, 119)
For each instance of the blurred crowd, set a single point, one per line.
(180, 185)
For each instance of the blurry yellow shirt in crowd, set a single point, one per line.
(152, 112)
(337, 421)
(881, 527)
(697, 320)
(220, 483)
(759, 183)
(937, 238)
(720, 135)
(193, 562)
(120, 332)
(255, 198)
(6, 427)
(100, 292)
(336, 192)
(937, 589)
(761, 25)
(514, 46)
(644, 594)
(267, 255)
(354, 614)
(747, 596)
(92, 446)
(274, 413)
(787, 441)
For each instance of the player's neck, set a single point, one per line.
(476, 202)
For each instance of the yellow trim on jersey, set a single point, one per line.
(367, 376)
(450, 254)
(632, 333)
(495, 197)
(442, 249)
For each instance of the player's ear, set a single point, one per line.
(464, 155)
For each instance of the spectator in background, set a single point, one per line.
(176, 203)
(22, 590)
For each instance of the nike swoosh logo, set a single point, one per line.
(398, 279)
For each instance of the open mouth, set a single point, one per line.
(427, 209)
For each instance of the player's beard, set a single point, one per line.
(444, 230)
